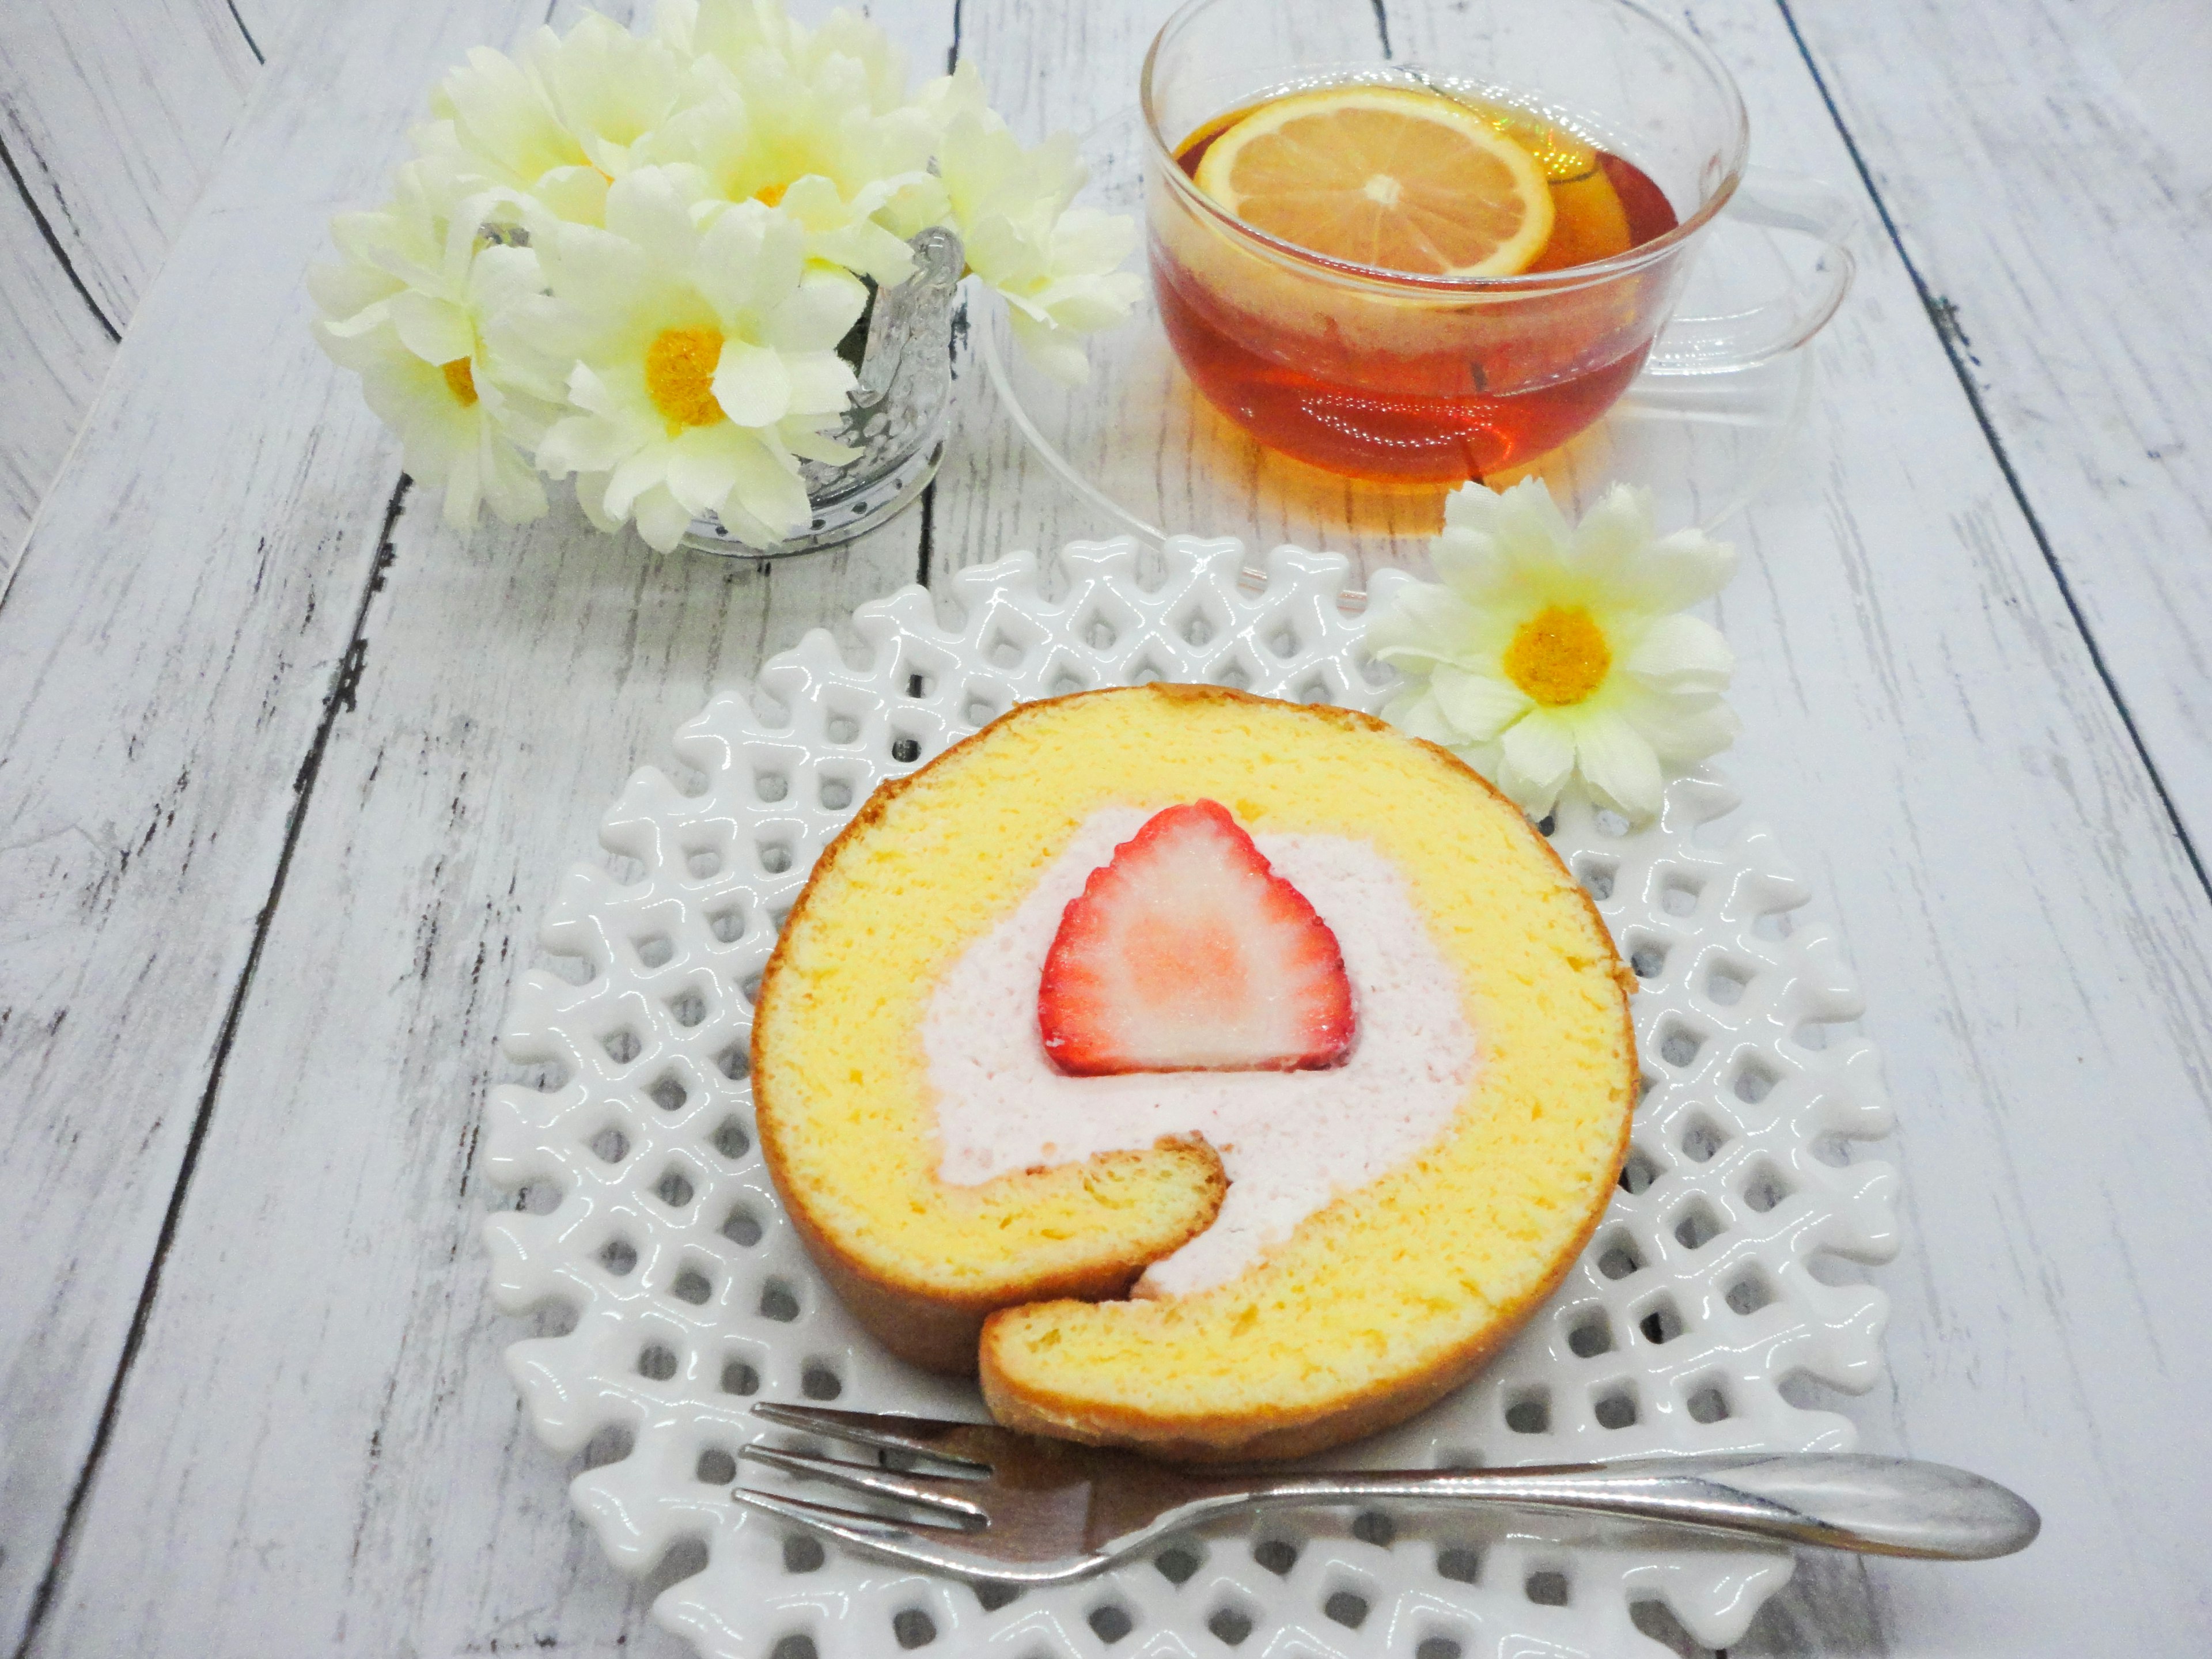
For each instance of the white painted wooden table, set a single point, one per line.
(289, 772)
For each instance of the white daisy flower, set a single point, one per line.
(735, 31)
(559, 121)
(706, 365)
(808, 139)
(825, 128)
(421, 307)
(1552, 650)
(1055, 264)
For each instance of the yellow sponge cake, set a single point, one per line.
(1258, 1239)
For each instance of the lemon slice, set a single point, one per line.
(1402, 180)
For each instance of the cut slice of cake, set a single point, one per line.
(1315, 1252)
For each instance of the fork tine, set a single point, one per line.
(917, 1544)
(930, 1491)
(854, 1525)
(921, 1435)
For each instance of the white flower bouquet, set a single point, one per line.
(639, 261)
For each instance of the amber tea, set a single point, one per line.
(1359, 336)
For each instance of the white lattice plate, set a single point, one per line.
(643, 1209)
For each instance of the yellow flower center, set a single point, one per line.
(679, 373)
(460, 381)
(1559, 656)
(770, 194)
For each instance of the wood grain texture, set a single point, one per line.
(167, 644)
(53, 351)
(2066, 253)
(111, 117)
(114, 116)
(375, 1490)
(2162, 50)
(1928, 730)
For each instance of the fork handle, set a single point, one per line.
(1873, 1505)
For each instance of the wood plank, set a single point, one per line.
(2163, 51)
(374, 1488)
(175, 623)
(52, 353)
(2067, 252)
(357, 1476)
(112, 117)
(1929, 731)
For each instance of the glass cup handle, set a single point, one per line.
(1779, 201)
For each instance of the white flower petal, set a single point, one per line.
(653, 208)
(1055, 350)
(1427, 624)
(736, 269)
(1536, 757)
(1415, 713)
(1089, 241)
(462, 495)
(1679, 570)
(512, 487)
(1479, 706)
(865, 248)
(637, 472)
(1617, 762)
(770, 489)
(435, 330)
(1614, 534)
(1532, 538)
(753, 384)
(1681, 650)
(1085, 305)
(816, 202)
(577, 194)
(581, 443)
(813, 446)
(820, 312)
(592, 496)
(343, 291)
(661, 519)
(502, 276)
(702, 466)
(1684, 727)
(503, 120)
(1474, 564)
(821, 382)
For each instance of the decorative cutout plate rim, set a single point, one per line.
(642, 1213)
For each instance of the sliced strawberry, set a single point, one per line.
(1188, 953)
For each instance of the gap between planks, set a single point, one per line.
(54, 244)
(921, 558)
(1943, 318)
(345, 675)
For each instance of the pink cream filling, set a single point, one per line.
(1291, 1141)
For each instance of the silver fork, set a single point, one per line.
(1018, 1509)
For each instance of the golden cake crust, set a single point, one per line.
(956, 1329)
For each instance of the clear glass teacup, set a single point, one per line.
(1383, 374)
